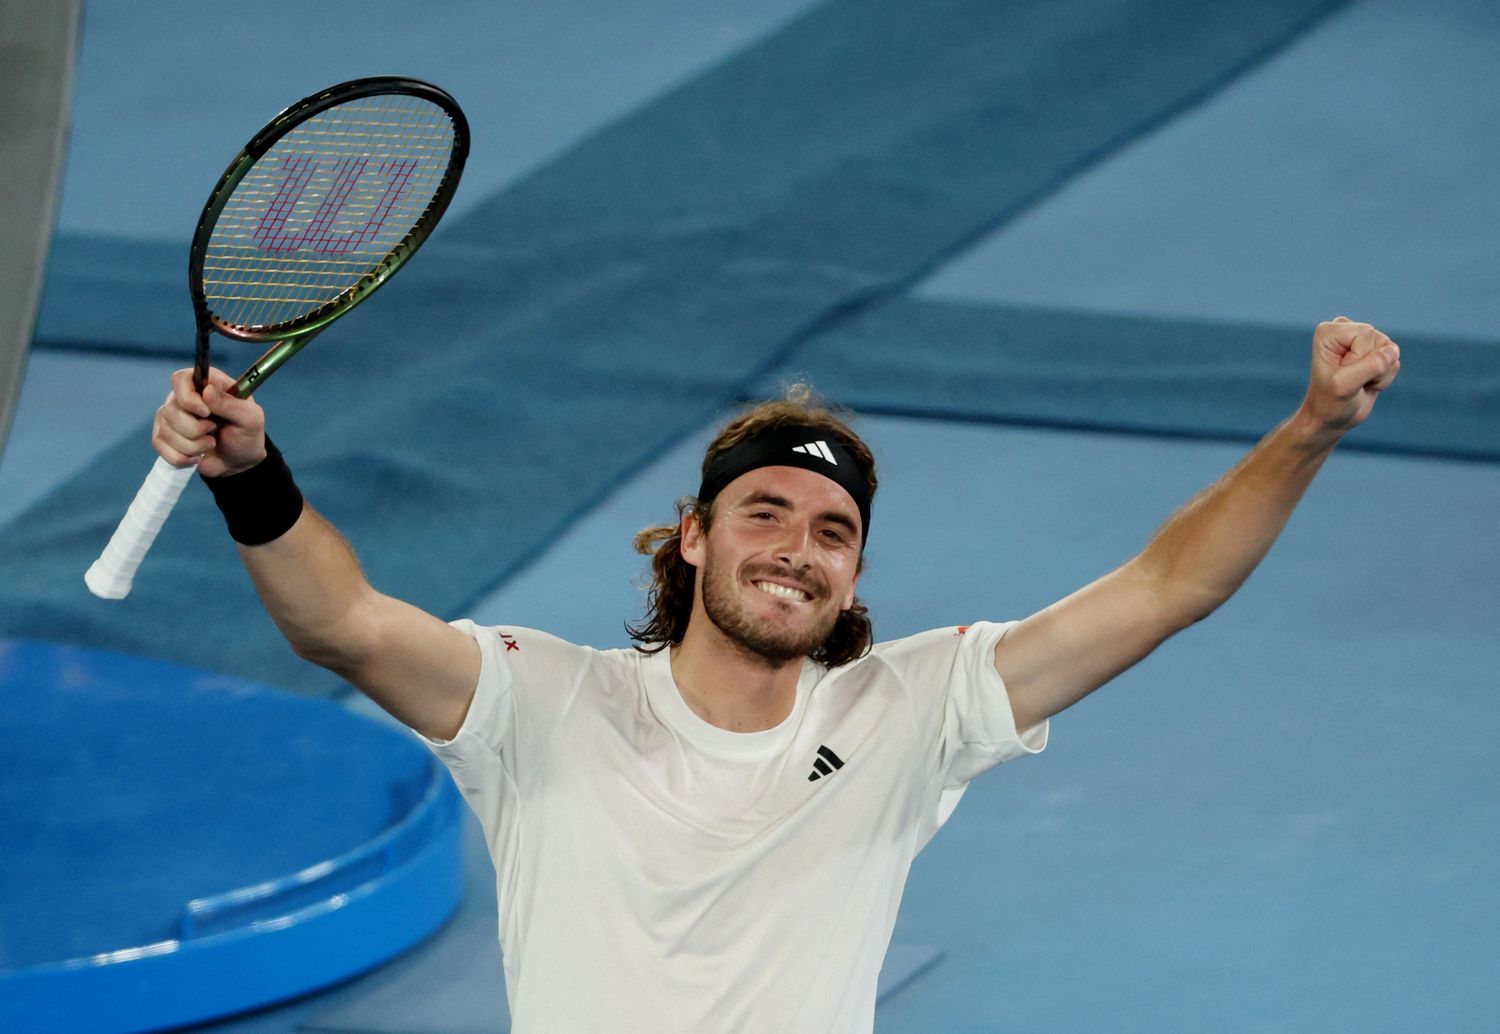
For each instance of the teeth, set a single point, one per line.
(781, 591)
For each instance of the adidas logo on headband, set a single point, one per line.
(816, 449)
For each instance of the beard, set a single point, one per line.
(767, 641)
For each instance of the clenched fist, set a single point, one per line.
(1351, 364)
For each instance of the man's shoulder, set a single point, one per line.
(939, 646)
(944, 636)
(520, 645)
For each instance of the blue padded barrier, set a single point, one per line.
(130, 784)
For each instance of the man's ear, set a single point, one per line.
(691, 544)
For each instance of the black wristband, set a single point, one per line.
(259, 504)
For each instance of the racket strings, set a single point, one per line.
(317, 216)
(299, 257)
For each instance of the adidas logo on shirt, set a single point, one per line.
(825, 758)
(819, 449)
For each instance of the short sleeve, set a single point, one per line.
(979, 727)
(963, 704)
(527, 681)
(491, 711)
(479, 755)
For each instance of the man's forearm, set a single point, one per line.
(311, 584)
(1207, 549)
(414, 665)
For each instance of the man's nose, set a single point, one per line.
(794, 547)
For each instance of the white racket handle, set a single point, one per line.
(110, 576)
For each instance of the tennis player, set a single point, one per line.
(712, 831)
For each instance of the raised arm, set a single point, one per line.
(417, 667)
(1206, 550)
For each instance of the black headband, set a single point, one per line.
(806, 447)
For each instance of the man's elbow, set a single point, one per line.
(1179, 601)
(339, 649)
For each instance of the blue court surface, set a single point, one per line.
(1063, 260)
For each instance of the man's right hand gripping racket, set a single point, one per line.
(321, 207)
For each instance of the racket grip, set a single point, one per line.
(111, 575)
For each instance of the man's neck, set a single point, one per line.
(729, 687)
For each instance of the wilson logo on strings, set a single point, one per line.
(318, 234)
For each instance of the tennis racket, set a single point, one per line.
(321, 207)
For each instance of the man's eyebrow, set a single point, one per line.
(764, 498)
(834, 517)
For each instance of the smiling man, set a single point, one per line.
(712, 832)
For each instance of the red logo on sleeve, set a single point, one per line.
(960, 629)
(509, 641)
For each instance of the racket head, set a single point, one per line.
(323, 206)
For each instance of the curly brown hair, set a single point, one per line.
(669, 598)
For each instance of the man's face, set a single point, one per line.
(779, 563)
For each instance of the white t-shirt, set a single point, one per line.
(659, 874)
